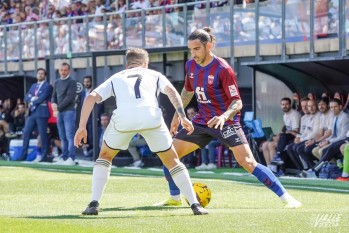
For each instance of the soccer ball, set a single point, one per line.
(203, 193)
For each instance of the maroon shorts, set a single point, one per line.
(230, 136)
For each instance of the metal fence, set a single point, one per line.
(270, 22)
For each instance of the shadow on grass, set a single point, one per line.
(143, 208)
(79, 216)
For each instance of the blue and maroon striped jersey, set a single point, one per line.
(215, 88)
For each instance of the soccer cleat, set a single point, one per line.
(92, 208)
(169, 202)
(198, 209)
(292, 203)
(341, 178)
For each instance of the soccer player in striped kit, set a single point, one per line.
(213, 82)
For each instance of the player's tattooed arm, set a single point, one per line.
(175, 99)
(186, 97)
(234, 108)
(218, 121)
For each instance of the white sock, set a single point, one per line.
(181, 178)
(176, 197)
(344, 174)
(285, 196)
(101, 172)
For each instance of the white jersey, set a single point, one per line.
(292, 120)
(326, 120)
(135, 91)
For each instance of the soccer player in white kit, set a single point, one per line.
(135, 90)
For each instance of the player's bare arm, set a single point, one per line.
(186, 96)
(218, 121)
(175, 99)
(81, 133)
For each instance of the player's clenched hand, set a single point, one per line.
(80, 135)
(187, 125)
(174, 125)
(216, 122)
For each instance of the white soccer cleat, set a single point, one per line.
(292, 203)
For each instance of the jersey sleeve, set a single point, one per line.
(105, 90)
(163, 82)
(228, 80)
(187, 84)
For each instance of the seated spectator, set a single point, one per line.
(291, 128)
(16, 127)
(269, 149)
(311, 122)
(324, 131)
(329, 148)
(136, 142)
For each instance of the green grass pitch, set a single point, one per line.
(36, 198)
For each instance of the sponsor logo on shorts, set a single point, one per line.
(191, 75)
(229, 131)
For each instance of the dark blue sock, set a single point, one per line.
(268, 178)
(38, 150)
(174, 190)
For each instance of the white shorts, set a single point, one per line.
(158, 139)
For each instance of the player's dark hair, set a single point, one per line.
(286, 99)
(204, 35)
(41, 69)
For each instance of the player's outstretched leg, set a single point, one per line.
(181, 178)
(244, 157)
(101, 172)
(175, 198)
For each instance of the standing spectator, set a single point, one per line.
(37, 97)
(87, 82)
(63, 103)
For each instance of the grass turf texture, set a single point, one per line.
(38, 198)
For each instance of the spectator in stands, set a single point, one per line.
(63, 104)
(311, 122)
(37, 97)
(120, 6)
(324, 132)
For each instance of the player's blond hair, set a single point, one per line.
(136, 56)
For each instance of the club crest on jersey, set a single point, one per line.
(210, 79)
(191, 75)
(233, 91)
